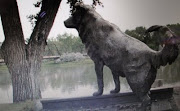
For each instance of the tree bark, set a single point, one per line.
(24, 60)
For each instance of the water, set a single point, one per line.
(78, 79)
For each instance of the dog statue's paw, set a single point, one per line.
(98, 93)
(114, 91)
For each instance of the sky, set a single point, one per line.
(126, 14)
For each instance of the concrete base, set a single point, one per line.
(162, 100)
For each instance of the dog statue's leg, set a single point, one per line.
(99, 73)
(117, 84)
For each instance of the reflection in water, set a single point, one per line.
(75, 80)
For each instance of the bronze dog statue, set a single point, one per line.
(126, 56)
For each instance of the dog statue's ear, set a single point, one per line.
(80, 5)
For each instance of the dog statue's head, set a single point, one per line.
(77, 16)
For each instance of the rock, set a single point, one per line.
(37, 105)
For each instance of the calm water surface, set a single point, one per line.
(78, 79)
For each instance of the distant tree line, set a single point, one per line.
(152, 40)
(65, 43)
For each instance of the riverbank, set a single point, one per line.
(65, 64)
(3, 67)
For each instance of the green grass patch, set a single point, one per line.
(66, 64)
(24, 106)
(3, 67)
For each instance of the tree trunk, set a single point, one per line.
(24, 60)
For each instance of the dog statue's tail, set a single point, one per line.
(170, 51)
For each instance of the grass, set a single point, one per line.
(67, 64)
(3, 67)
(24, 106)
(52, 64)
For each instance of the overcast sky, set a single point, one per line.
(127, 14)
